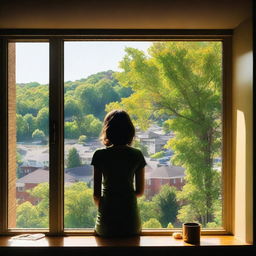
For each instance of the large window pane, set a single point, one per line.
(173, 92)
(28, 135)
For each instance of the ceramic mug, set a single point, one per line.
(191, 232)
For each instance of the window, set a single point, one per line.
(85, 82)
(28, 90)
(20, 188)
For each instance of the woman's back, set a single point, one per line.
(118, 165)
(118, 212)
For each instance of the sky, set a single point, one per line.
(81, 59)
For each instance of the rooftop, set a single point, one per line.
(166, 172)
(40, 176)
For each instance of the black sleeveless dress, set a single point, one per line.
(118, 213)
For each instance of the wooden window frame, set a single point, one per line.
(56, 39)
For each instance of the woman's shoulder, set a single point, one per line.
(135, 150)
(97, 156)
(99, 151)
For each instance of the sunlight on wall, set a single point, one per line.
(242, 131)
(240, 171)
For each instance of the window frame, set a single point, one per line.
(56, 39)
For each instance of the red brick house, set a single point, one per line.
(30, 181)
(30, 166)
(159, 176)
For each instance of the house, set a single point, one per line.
(159, 176)
(81, 173)
(31, 180)
(29, 166)
(152, 140)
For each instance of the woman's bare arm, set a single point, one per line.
(97, 179)
(140, 182)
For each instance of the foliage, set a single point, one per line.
(28, 216)
(181, 81)
(80, 211)
(82, 139)
(152, 223)
(148, 209)
(96, 91)
(31, 98)
(42, 120)
(21, 127)
(158, 155)
(90, 126)
(72, 107)
(38, 135)
(31, 124)
(73, 158)
(35, 216)
(170, 225)
(71, 130)
(166, 204)
(84, 106)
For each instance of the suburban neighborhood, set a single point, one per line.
(34, 168)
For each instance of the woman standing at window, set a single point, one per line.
(118, 164)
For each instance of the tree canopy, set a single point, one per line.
(84, 105)
(73, 158)
(181, 82)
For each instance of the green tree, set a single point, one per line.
(80, 211)
(28, 216)
(181, 81)
(35, 216)
(79, 208)
(43, 120)
(90, 126)
(170, 225)
(152, 223)
(166, 204)
(96, 91)
(71, 130)
(148, 209)
(41, 192)
(31, 121)
(88, 98)
(158, 155)
(82, 139)
(38, 135)
(21, 127)
(73, 158)
(72, 107)
(106, 94)
(31, 98)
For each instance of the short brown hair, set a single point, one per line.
(118, 129)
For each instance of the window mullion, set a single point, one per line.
(227, 175)
(56, 119)
(3, 135)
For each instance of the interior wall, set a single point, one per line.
(243, 130)
(171, 14)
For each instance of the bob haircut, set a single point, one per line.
(118, 129)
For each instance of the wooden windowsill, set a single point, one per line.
(142, 241)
